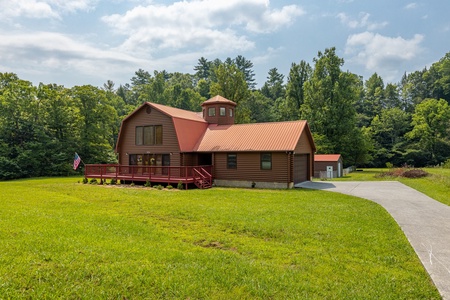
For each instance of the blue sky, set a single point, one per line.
(91, 41)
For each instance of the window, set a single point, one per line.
(212, 112)
(266, 161)
(231, 112)
(232, 161)
(149, 135)
(139, 135)
(222, 112)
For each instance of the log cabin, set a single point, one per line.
(158, 143)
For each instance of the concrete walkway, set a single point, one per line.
(425, 221)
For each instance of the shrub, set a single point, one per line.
(159, 187)
(389, 165)
(113, 181)
(169, 187)
(93, 181)
(147, 184)
(404, 172)
(85, 180)
(180, 185)
(415, 173)
(446, 164)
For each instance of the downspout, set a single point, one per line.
(289, 168)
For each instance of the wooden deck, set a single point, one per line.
(201, 176)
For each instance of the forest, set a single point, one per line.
(372, 124)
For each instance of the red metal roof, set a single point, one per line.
(178, 113)
(195, 134)
(327, 157)
(276, 136)
(218, 99)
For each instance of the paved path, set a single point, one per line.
(425, 221)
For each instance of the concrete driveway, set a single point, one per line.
(425, 221)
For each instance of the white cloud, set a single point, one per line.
(412, 5)
(26, 8)
(42, 9)
(382, 54)
(208, 24)
(59, 53)
(361, 22)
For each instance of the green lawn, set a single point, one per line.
(436, 186)
(63, 240)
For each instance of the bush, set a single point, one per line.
(180, 185)
(169, 187)
(446, 164)
(85, 180)
(159, 187)
(93, 181)
(147, 184)
(415, 173)
(404, 172)
(113, 181)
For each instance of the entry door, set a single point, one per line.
(165, 163)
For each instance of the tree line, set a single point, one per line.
(370, 123)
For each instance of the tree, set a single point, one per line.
(431, 123)
(274, 88)
(388, 130)
(329, 104)
(246, 66)
(298, 75)
(373, 96)
(391, 96)
(438, 79)
(203, 69)
(231, 84)
(96, 120)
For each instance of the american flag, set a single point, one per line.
(76, 161)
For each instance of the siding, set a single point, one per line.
(142, 118)
(248, 167)
(322, 166)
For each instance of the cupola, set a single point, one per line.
(219, 110)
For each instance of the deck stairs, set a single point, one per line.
(202, 179)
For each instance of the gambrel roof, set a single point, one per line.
(194, 134)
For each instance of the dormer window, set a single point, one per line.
(223, 112)
(211, 111)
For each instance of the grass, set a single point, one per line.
(436, 186)
(64, 240)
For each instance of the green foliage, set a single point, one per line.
(85, 180)
(446, 164)
(231, 84)
(368, 122)
(431, 121)
(329, 106)
(147, 184)
(93, 181)
(63, 240)
(169, 187)
(180, 185)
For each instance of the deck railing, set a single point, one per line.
(168, 174)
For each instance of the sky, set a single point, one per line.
(81, 42)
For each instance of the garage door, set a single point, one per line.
(301, 168)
